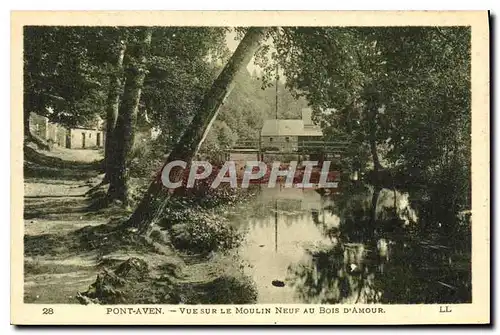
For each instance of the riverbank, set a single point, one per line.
(75, 253)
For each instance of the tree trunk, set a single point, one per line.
(150, 208)
(373, 139)
(124, 133)
(371, 96)
(373, 208)
(112, 106)
(395, 202)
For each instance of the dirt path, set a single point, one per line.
(55, 204)
(67, 242)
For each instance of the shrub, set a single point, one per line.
(202, 233)
(147, 157)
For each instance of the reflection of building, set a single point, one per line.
(72, 138)
(285, 135)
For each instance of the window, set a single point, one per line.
(270, 139)
(90, 135)
(287, 139)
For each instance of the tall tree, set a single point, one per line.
(124, 133)
(61, 72)
(151, 207)
(112, 104)
(362, 81)
(401, 92)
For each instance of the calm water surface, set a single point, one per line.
(353, 247)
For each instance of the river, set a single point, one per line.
(350, 247)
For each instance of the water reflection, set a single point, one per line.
(359, 246)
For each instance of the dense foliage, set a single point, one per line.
(400, 95)
(63, 75)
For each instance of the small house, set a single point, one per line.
(289, 135)
(84, 138)
(53, 133)
(71, 138)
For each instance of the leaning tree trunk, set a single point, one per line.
(124, 132)
(112, 106)
(151, 207)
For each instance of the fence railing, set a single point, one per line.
(302, 146)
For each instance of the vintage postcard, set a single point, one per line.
(250, 168)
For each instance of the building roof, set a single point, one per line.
(289, 128)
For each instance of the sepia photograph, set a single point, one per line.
(262, 167)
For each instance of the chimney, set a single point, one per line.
(307, 116)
